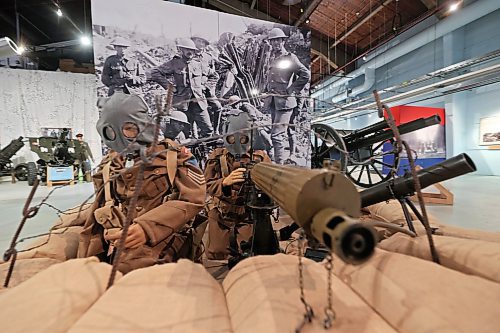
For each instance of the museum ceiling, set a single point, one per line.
(342, 30)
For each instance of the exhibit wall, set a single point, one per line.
(37, 100)
(235, 56)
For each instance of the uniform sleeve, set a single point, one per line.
(214, 178)
(303, 75)
(106, 74)
(170, 217)
(162, 73)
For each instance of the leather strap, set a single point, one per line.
(223, 166)
(107, 183)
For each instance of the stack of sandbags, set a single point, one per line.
(179, 297)
(415, 295)
(24, 269)
(53, 300)
(468, 256)
(263, 295)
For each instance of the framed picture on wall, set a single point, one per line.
(489, 131)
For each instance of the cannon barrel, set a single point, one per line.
(355, 141)
(362, 132)
(323, 202)
(10, 150)
(400, 187)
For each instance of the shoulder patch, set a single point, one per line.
(198, 178)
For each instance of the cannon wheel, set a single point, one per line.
(368, 174)
(324, 144)
(21, 172)
(32, 171)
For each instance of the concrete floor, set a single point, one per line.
(477, 205)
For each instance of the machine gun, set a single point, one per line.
(6, 165)
(356, 150)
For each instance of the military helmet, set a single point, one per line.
(233, 100)
(276, 33)
(120, 41)
(201, 39)
(186, 43)
(178, 116)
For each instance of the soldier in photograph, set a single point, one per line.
(121, 72)
(188, 75)
(209, 59)
(172, 192)
(175, 126)
(286, 77)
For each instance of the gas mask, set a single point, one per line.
(125, 125)
(237, 138)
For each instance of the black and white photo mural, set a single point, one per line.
(219, 64)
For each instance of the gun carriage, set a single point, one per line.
(360, 151)
(7, 168)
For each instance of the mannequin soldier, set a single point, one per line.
(172, 192)
(284, 68)
(187, 73)
(224, 174)
(208, 60)
(83, 155)
(121, 72)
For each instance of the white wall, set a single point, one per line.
(30, 100)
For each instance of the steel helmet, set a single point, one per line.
(120, 41)
(178, 116)
(186, 43)
(233, 100)
(201, 39)
(276, 33)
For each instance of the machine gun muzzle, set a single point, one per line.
(404, 186)
(323, 202)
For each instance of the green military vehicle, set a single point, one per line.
(7, 168)
(59, 152)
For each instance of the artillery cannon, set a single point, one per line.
(6, 166)
(357, 150)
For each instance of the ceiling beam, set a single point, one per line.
(359, 22)
(241, 8)
(307, 12)
(430, 4)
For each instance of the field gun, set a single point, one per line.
(357, 150)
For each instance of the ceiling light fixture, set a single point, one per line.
(59, 12)
(307, 21)
(454, 6)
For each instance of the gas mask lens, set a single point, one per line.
(244, 139)
(109, 133)
(230, 139)
(130, 130)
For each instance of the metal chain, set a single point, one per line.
(329, 312)
(308, 313)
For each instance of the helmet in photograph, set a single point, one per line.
(199, 39)
(120, 41)
(124, 124)
(276, 33)
(233, 100)
(186, 43)
(178, 116)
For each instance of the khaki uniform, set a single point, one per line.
(280, 108)
(189, 78)
(172, 193)
(209, 62)
(228, 212)
(123, 74)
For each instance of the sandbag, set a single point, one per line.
(24, 269)
(61, 244)
(416, 295)
(176, 297)
(468, 256)
(388, 211)
(453, 231)
(54, 299)
(263, 295)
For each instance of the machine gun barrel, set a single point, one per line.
(323, 202)
(10, 150)
(355, 140)
(400, 187)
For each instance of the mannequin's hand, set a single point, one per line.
(236, 176)
(136, 237)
